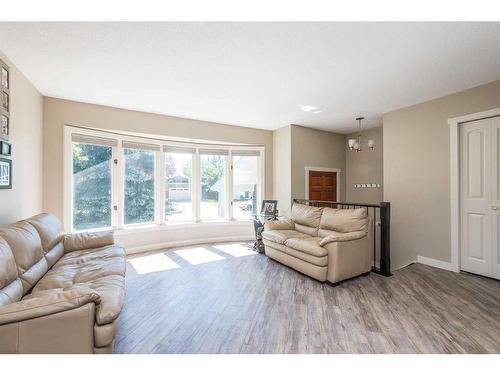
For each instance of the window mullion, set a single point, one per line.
(114, 187)
(120, 185)
(196, 186)
(160, 188)
(229, 189)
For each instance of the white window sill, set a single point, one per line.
(179, 225)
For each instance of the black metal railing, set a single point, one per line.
(381, 215)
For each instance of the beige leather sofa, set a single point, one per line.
(324, 243)
(58, 293)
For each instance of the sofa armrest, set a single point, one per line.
(88, 240)
(347, 259)
(279, 225)
(49, 304)
(343, 237)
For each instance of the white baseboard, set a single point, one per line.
(403, 266)
(435, 263)
(198, 241)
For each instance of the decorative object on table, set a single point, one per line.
(269, 211)
(258, 226)
(5, 173)
(269, 208)
(355, 144)
(4, 101)
(5, 148)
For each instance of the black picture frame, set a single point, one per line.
(269, 207)
(5, 170)
(5, 148)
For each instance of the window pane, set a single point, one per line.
(91, 186)
(178, 190)
(213, 186)
(139, 186)
(245, 180)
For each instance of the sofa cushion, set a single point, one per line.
(11, 289)
(344, 220)
(310, 231)
(311, 259)
(13, 292)
(279, 225)
(26, 247)
(49, 228)
(306, 215)
(88, 240)
(310, 245)
(342, 237)
(54, 254)
(280, 236)
(8, 268)
(102, 270)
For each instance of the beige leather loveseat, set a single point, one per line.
(58, 293)
(324, 243)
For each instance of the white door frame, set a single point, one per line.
(455, 179)
(321, 169)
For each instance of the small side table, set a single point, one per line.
(258, 224)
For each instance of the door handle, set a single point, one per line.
(494, 208)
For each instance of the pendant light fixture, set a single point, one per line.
(355, 144)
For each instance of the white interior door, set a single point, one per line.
(495, 176)
(480, 198)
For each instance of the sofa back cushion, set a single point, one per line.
(344, 220)
(11, 289)
(306, 215)
(26, 246)
(310, 231)
(50, 230)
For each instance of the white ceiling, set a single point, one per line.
(256, 74)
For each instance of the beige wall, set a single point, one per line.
(417, 171)
(365, 167)
(25, 197)
(58, 112)
(315, 148)
(282, 169)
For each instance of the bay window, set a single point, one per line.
(92, 182)
(245, 184)
(213, 184)
(120, 181)
(139, 183)
(178, 183)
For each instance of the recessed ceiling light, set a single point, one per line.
(308, 108)
(317, 111)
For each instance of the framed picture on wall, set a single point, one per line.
(5, 77)
(5, 101)
(5, 173)
(5, 148)
(4, 127)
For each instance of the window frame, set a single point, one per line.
(121, 188)
(164, 185)
(118, 178)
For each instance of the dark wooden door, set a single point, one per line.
(323, 186)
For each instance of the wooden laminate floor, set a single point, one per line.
(225, 299)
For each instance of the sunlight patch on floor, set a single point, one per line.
(198, 255)
(152, 263)
(235, 249)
